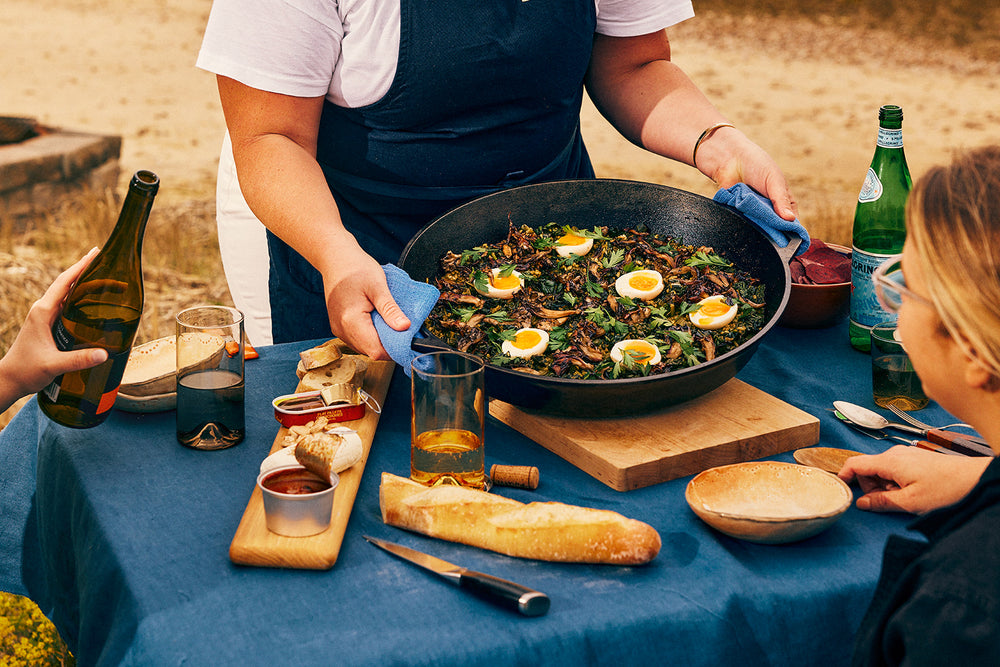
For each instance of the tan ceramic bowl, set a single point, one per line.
(817, 306)
(768, 501)
(152, 367)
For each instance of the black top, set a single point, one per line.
(938, 601)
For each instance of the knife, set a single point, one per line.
(505, 593)
(879, 434)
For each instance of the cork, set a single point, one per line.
(521, 477)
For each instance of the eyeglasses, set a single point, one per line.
(890, 285)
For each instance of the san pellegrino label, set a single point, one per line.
(865, 309)
(871, 189)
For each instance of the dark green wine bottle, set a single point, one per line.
(103, 310)
(879, 223)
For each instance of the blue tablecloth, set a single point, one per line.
(121, 535)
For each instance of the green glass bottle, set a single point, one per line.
(103, 310)
(879, 223)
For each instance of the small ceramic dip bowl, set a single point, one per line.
(297, 502)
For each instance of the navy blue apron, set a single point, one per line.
(486, 96)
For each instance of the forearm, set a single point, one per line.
(274, 146)
(658, 108)
(652, 102)
(647, 97)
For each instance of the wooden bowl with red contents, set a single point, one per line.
(821, 287)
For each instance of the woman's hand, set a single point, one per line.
(739, 160)
(910, 479)
(33, 359)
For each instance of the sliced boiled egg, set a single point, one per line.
(573, 244)
(643, 284)
(713, 313)
(502, 286)
(640, 351)
(527, 343)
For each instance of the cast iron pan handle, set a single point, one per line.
(788, 252)
(429, 343)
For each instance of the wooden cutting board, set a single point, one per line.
(254, 544)
(731, 424)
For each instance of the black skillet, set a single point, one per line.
(618, 204)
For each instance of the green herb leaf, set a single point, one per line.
(617, 255)
(702, 258)
(480, 281)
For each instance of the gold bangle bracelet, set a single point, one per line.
(709, 131)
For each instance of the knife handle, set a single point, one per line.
(506, 593)
(958, 443)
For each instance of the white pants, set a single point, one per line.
(243, 245)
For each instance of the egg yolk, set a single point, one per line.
(639, 352)
(642, 282)
(505, 282)
(570, 239)
(524, 340)
(714, 309)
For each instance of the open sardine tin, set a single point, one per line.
(338, 403)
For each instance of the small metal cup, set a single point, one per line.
(297, 514)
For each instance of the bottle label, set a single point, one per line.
(889, 138)
(63, 338)
(871, 189)
(52, 390)
(865, 309)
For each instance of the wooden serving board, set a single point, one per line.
(731, 424)
(254, 544)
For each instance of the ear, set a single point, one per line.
(977, 375)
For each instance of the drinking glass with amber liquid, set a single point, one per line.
(894, 380)
(448, 415)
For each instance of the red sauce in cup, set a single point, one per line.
(295, 481)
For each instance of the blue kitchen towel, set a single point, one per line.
(416, 299)
(760, 211)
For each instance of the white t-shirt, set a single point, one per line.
(346, 49)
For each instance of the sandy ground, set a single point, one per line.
(806, 92)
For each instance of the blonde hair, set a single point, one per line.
(953, 224)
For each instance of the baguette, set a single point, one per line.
(325, 453)
(548, 531)
(349, 369)
(321, 355)
(321, 451)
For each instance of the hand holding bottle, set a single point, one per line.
(33, 359)
(102, 310)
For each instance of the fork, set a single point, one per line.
(907, 417)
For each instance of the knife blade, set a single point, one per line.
(514, 596)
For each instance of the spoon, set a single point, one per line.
(869, 419)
